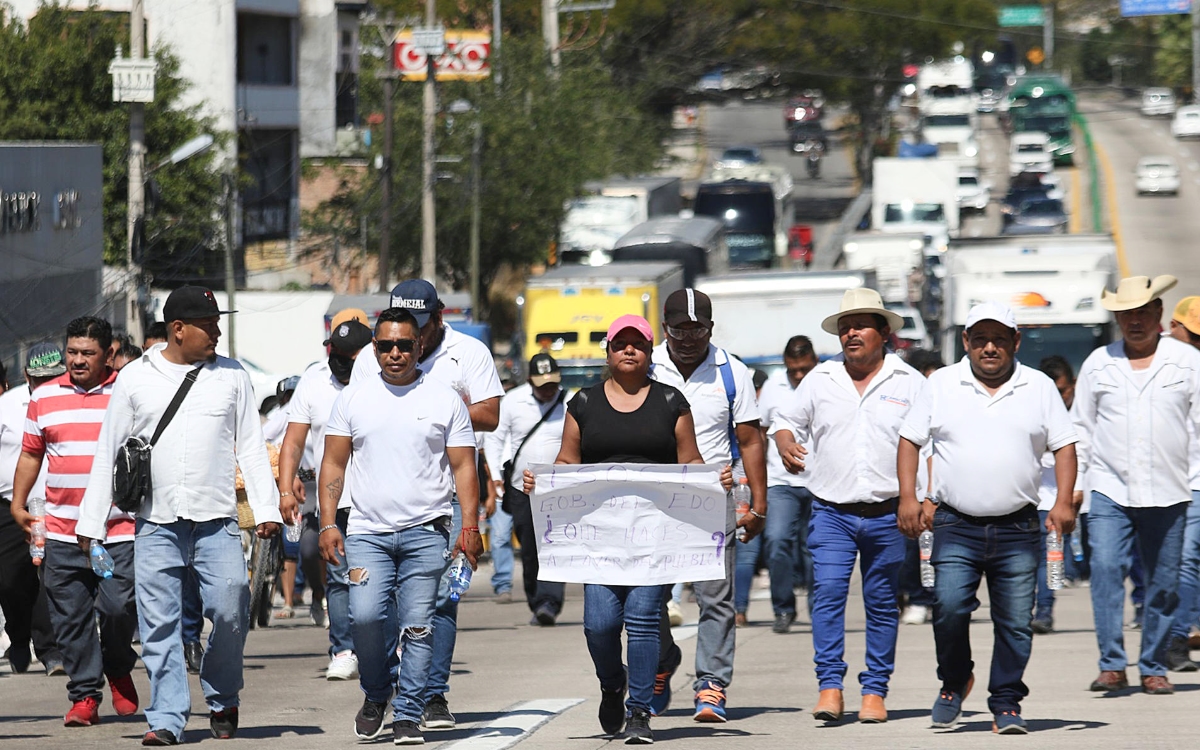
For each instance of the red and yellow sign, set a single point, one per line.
(465, 59)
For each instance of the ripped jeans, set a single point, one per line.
(393, 591)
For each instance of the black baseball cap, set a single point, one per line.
(190, 302)
(543, 369)
(418, 297)
(688, 306)
(349, 337)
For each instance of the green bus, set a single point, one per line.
(1044, 103)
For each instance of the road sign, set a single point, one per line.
(1154, 7)
(1035, 56)
(1021, 15)
(465, 57)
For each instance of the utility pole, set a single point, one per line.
(1195, 51)
(496, 36)
(230, 248)
(550, 31)
(137, 186)
(1048, 35)
(476, 174)
(387, 30)
(428, 209)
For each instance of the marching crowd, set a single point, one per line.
(393, 448)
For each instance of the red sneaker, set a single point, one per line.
(84, 713)
(124, 695)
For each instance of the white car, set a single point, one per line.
(1157, 174)
(1187, 122)
(1029, 152)
(1157, 102)
(972, 192)
(914, 334)
(1054, 187)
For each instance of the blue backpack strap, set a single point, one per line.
(731, 394)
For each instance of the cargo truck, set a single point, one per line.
(898, 261)
(916, 196)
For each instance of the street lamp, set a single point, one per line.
(197, 145)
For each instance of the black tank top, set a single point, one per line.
(643, 436)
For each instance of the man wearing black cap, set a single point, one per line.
(308, 415)
(466, 365)
(189, 521)
(530, 432)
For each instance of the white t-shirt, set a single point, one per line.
(399, 470)
(14, 405)
(705, 392)
(775, 394)
(987, 450)
(275, 425)
(311, 405)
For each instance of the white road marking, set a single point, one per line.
(515, 725)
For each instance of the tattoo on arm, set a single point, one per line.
(335, 489)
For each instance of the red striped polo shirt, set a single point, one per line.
(63, 424)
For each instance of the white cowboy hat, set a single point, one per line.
(1136, 291)
(862, 301)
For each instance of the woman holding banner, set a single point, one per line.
(628, 418)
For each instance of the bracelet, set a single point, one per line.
(284, 494)
(756, 514)
(326, 528)
(465, 529)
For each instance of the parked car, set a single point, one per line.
(973, 193)
(1157, 174)
(1037, 216)
(1158, 102)
(1187, 122)
(1029, 152)
(914, 334)
(735, 157)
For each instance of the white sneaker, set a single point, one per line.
(914, 615)
(343, 666)
(674, 613)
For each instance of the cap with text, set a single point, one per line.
(349, 337)
(418, 297)
(1002, 314)
(543, 369)
(688, 306)
(191, 303)
(45, 360)
(636, 322)
(1187, 314)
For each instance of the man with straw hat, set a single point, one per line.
(1133, 401)
(849, 409)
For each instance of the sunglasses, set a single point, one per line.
(406, 346)
(688, 334)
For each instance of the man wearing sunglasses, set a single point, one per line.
(721, 393)
(465, 365)
(413, 445)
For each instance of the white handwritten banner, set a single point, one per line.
(629, 524)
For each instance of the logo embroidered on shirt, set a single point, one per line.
(897, 400)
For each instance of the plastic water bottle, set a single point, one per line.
(925, 544)
(1054, 560)
(37, 533)
(1077, 546)
(102, 562)
(741, 499)
(294, 529)
(460, 577)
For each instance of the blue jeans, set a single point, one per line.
(1044, 609)
(1189, 573)
(394, 603)
(336, 589)
(1005, 550)
(837, 538)
(745, 556)
(193, 610)
(1159, 540)
(164, 556)
(910, 587)
(606, 609)
(445, 620)
(502, 551)
(786, 535)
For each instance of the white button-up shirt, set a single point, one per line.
(519, 412)
(775, 394)
(852, 438)
(1133, 435)
(216, 430)
(988, 449)
(705, 393)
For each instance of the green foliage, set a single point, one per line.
(55, 85)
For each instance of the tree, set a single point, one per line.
(55, 85)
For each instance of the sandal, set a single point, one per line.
(286, 613)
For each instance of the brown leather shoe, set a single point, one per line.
(873, 711)
(829, 705)
(1110, 680)
(1157, 685)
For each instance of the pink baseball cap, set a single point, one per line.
(636, 322)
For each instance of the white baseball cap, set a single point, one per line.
(1002, 314)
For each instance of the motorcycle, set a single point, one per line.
(813, 152)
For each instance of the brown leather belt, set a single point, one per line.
(864, 510)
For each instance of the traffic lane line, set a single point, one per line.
(517, 723)
(1113, 212)
(1075, 220)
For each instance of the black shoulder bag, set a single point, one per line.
(510, 464)
(131, 469)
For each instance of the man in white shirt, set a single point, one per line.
(412, 444)
(465, 365)
(189, 522)
(987, 413)
(530, 432)
(1133, 401)
(849, 411)
(1185, 326)
(720, 390)
(308, 416)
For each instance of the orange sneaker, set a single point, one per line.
(83, 713)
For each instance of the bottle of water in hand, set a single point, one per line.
(1054, 560)
(102, 562)
(37, 533)
(925, 545)
(460, 577)
(293, 530)
(741, 499)
(1077, 545)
